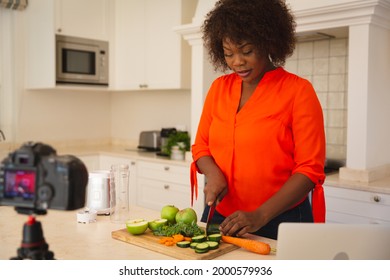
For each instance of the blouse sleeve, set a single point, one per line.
(309, 135)
(200, 147)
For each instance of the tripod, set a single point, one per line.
(34, 246)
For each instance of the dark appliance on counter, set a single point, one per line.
(333, 165)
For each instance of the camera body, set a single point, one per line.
(34, 178)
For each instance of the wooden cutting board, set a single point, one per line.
(150, 242)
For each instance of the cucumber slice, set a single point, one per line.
(202, 246)
(215, 237)
(183, 244)
(213, 245)
(199, 238)
(201, 251)
(193, 245)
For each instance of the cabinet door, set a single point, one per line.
(160, 184)
(163, 46)
(355, 206)
(149, 54)
(154, 194)
(129, 45)
(83, 18)
(91, 162)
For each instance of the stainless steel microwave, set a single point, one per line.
(81, 61)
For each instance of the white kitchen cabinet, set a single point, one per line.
(83, 18)
(92, 162)
(105, 164)
(44, 18)
(160, 184)
(147, 52)
(356, 206)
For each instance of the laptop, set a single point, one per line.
(328, 241)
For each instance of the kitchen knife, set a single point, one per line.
(210, 217)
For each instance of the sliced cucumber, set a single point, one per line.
(213, 244)
(183, 244)
(201, 251)
(199, 238)
(193, 245)
(202, 247)
(215, 237)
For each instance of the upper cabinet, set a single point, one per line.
(83, 18)
(144, 50)
(147, 52)
(46, 18)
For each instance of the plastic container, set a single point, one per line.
(119, 193)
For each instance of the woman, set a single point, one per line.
(260, 141)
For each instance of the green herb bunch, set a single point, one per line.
(188, 230)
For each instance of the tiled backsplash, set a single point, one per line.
(325, 64)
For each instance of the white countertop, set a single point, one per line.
(70, 240)
(380, 186)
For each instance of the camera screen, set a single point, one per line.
(20, 183)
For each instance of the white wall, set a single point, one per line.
(132, 112)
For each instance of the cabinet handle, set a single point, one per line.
(377, 198)
(166, 168)
(143, 86)
(166, 187)
(132, 163)
(59, 30)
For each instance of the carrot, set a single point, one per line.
(178, 237)
(163, 240)
(248, 244)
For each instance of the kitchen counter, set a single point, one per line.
(70, 240)
(381, 186)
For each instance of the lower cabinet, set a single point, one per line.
(160, 184)
(356, 206)
(91, 162)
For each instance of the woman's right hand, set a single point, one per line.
(216, 188)
(216, 183)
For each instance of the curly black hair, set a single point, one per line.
(268, 24)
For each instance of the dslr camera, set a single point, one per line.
(34, 178)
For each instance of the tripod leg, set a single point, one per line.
(33, 246)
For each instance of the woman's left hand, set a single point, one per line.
(241, 222)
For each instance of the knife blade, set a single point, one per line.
(210, 217)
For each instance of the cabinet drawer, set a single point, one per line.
(155, 194)
(356, 195)
(164, 172)
(354, 206)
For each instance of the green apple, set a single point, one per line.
(155, 224)
(169, 212)
(187, 216)
(137, 226)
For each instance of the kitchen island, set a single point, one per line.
(70, 240)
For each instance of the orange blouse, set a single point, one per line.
(278, 132)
